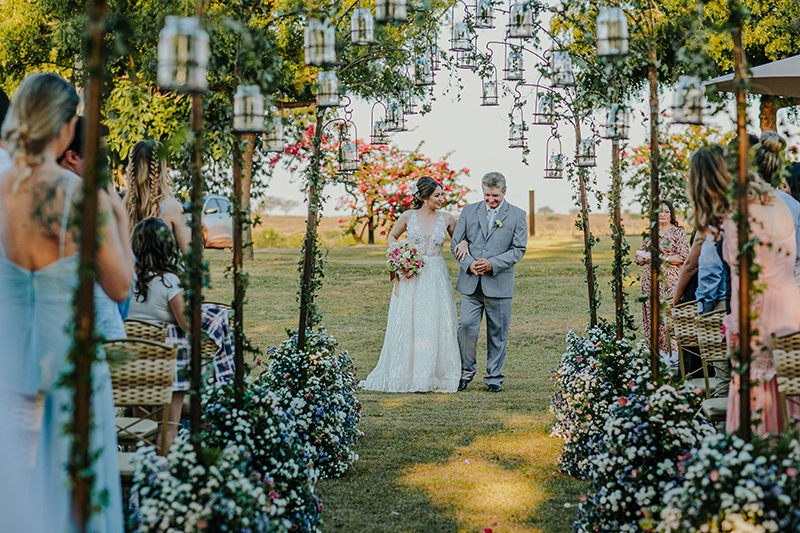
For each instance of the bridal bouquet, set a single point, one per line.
(404, 258)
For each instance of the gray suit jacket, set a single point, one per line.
(503, 246)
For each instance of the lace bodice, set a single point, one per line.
(430, 244)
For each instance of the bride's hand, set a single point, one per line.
(462, 250)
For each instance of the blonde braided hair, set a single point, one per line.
(148, 182)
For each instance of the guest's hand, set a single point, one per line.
(462, 250)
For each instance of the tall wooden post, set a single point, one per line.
(196, 283)
(616, 198)
(85, 349)
(314, 189)
(531, 216)
(238, 286)
(587, 246)
(655, 258)
(744, 235)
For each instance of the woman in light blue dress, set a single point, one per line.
(39, 238)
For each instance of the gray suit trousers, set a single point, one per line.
(498, 318)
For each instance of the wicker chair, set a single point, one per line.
(142, 329)
(786, 353)
(713, 349)
(685, 328)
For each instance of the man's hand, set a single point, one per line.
(480, 266)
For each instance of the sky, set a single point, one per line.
(477, 138)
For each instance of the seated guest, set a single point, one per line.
(712, 274)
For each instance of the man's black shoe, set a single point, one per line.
(494, 388)
(462, 385)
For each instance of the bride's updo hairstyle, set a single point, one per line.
(769, 157)
(41, 106)
(422, 190)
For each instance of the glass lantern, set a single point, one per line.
(515, 67)
(395, 121)
(555, 167)
(320, 43)
(467, 59)
(688, 100)
(461, 39)
(348, 161)
(561, 69)
(545, 111)
(489, 92)
(520, 21)
(618, 122)
(273, 134)
(612, 32)
(327, 89)
(516, 136)
(248, 109)
(183, 55)
(484, 14)
(362, 27)
(586, 153)
(379, 134)
(435, 57)
(407, 99)
(391, 11)
(423, 75)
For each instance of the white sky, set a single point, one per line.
(478, 138)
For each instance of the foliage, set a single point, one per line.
(727, 484)
(271, 445)
(318, 384)
(185, 492)
(644, 438)
(676, 147)
(594, 372)
(380, 190)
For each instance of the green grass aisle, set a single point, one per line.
(441, 462)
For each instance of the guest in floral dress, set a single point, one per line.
(674, 249)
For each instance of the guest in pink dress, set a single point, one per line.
(777, 307)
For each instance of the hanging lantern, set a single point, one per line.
(516, 136)
(545, 111)
(407, 99)
(327, 89)
(520, 21)
(423, 75)
(688, 101)
(618, 123)
(467, 59)
(273, 134)
(554, 170)
(460, 39)
(349, 161)
(183, 55)
(320, 43)
(514, 70)
(561, 69)
(435, 57)
(395, 121)
(362, 27)
(248, 109)
(489, 92)
(391, 11)
(484, 14)
(586, 153)
(379, 135)
(612, 32)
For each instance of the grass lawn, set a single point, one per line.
(441, 462)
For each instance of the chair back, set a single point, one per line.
(786, 353)
(683, 316)
(710, 335)
(142, 329)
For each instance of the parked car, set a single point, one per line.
(217, 221)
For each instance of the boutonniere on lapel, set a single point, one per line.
(498, 224)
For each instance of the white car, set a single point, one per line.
(217, 221)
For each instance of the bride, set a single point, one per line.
(420, 350)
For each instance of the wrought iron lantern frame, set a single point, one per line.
(554, 167)
(183, 55)
(378, 133)
(328, 89)
(587, 153)
(362, 27)
(273, 140)
(687, 105)
(618, 122)
(612, 32)
(319, 43)
(248, 109)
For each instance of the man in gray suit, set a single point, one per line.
(497, 235)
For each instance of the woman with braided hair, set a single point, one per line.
(149, 193)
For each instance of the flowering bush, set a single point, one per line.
(318, 384)
(594, 372)
(404, 258)
(732, 486)
(644, 438)
(273, 448)
(187, 494)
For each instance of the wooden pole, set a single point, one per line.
(616, 189)
(85, 349)
(531, 216)
(196, 283)
(587, 247)
(238, 285)
(655, 261)
(744, 235)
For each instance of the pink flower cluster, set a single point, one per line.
(405, 259)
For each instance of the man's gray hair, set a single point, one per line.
(494, 180)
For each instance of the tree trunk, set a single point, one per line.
(247, 180)
(587, 234)
(371, 232)
(769, 113)
(655, 207)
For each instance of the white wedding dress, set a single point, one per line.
(420, 350)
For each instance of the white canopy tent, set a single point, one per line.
(779, 78)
